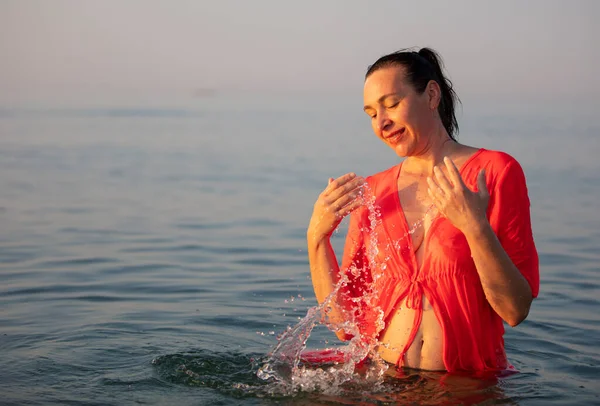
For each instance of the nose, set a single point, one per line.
(383, 121)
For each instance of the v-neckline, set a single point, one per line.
(402, 215)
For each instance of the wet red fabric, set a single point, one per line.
(324, 356)
(382, 268)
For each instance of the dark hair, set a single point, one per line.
(421, 67)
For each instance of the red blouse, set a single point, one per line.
(381, 264)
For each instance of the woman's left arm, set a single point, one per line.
(505, 287)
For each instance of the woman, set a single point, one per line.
(432, 295)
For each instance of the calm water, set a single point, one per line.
(154, 256)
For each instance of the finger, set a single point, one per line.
(434, 196)
(435, 188)
(442, 181)
(342, 180)
(354, 185)
(345, 199)
(481, 185)
(454, 173)
(325, 191)
(349, 208)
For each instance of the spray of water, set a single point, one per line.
(283, 367)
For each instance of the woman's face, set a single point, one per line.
(401, 117)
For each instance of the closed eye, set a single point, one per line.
(371, 112)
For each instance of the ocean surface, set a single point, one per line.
(153, 256)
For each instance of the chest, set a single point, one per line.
(416, 234)
(418, 211)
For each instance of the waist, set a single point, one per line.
(418, 340)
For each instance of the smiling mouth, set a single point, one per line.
(395, 135)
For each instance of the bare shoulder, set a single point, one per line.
(496, 162)
(462, 153)
(466, 150)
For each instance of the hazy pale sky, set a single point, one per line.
(113, 50)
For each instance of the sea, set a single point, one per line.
(156, 255)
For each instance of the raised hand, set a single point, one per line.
(454, 200)
(340, 197)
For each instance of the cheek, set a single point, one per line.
(408, 115)
(376, 129)
(420, 116)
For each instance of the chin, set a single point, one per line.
(400, 150)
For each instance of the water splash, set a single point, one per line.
(233, 375)
(284, 368)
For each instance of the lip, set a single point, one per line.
(395, 134)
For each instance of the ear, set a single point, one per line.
(434, 94)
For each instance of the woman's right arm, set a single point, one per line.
(341, 197)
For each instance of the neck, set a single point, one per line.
(438, 146)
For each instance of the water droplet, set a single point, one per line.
(283, 364)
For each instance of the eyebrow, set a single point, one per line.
(382, 99)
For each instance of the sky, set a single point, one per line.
(72, 52)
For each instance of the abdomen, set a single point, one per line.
(426, 350)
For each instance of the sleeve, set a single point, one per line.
(509, 214)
